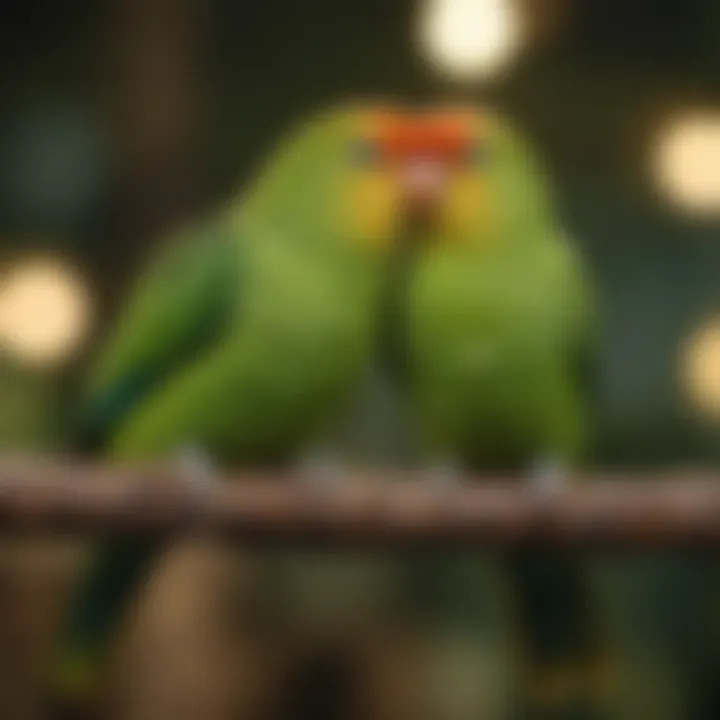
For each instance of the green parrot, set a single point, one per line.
(498, 327)
(241, 341)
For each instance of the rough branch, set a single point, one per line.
(602, 511)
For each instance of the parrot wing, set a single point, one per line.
(179, 307)
(568, 301)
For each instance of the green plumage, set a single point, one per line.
(500, 332)
(243, 338)
(497, 344)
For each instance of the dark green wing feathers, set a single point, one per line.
(180, 307)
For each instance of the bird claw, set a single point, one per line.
(444, 475)
(548, 476)
(197, 468)
(320, 470)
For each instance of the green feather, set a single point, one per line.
(181, 306)
(500, 318)
(245, 336)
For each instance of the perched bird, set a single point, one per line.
(239, 344)
(496, 330)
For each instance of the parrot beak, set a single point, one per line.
(431, 144)
(423, 181)
(424, 147)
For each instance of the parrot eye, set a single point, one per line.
(364, 153)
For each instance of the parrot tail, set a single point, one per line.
(94, 613)
(560, 632)
(324, 688)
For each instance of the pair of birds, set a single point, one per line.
(426, 237)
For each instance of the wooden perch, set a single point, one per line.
(600, 511)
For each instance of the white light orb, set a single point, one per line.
(687, 163)
(45, 311)
(469, 39)
(701, 369)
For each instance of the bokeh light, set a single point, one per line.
(687, 162)
(45, 311)
(469, 39)
(701, 369)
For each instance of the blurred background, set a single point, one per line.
(119, 118)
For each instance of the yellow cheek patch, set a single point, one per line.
(373, 211)
(467, 208)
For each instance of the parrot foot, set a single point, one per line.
(444, 474)
(549, 476)
(197, 467)
(321, 470)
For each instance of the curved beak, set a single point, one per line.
(424, 148)
(427, 150)
(423, 180)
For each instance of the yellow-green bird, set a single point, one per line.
(242, 340)
(497, 327)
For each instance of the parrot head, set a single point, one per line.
(360, 175)
(469, 176)
(335, 179)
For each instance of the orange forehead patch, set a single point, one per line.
(444, 133)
